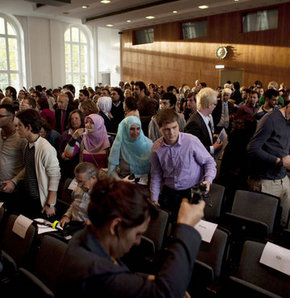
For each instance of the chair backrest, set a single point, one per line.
(2, 222)
(213, 253)
(251, 270)
(48, 260)
(157, 229)
(25, 282)
(238, 288)
(212, 210)
(255, 205)
(66, 193)
(2, 211)
(17, 248)
(202, 277)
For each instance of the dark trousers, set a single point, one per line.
(170, 200)
(21, 203)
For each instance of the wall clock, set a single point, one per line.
(221, 52)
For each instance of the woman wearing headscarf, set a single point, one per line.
(130, 153)
(104, 105)
(91, 142)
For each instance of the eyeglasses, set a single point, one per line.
(2, 116)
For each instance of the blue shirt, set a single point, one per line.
(180, 166)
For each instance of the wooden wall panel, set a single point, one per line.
(263, 55)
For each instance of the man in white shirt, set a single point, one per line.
(86, 178)
(41, 174)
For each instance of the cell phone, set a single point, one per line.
(2, 185)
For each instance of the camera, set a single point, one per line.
(198, 194)
(132, 177)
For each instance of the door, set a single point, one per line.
(233, 75)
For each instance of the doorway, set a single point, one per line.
(233, 75)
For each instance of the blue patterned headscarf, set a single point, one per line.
(135, 153)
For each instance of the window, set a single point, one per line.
(76, 57)
(260, 20)
(144, 36)
(10, 74)
(194, 30)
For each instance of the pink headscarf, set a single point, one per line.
(97, 140)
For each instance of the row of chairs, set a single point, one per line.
(220, 264)
(213, 261)
(29, 264)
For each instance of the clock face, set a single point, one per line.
(221, 52)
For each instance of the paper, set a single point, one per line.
(44, 229)
(276, 257)
(223, 137)
(21, 225)
(73, 184)
(206, 229)
(45, 226)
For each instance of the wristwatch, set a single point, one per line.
(50, 205)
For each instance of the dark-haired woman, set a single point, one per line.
(76, 120)
(120, 213)
(45, 112)
(130, 107)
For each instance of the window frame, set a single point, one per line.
(19, 51)
(244, 15)
(88, 56)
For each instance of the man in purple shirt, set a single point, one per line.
(179, 161)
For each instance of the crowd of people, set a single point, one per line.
(135, 147)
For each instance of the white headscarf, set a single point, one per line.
(105, 104)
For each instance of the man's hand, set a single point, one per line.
(49, 211)
(286, 162)
(190, 214)
(217, 146)
(207, 183)
(65, 219)
(9, 186)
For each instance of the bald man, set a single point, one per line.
(62, 112)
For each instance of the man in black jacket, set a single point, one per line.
(222, 114)
(62, 112)
(200, 123)
(269, 151)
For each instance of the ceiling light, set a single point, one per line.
(150, 17)
(110, 25)
(105, 1)
(85, 6)
(128, 21)
(175, 11)
(203, 6)
(236, 0)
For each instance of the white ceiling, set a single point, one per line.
(119, 11)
